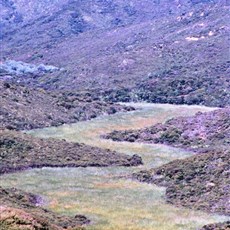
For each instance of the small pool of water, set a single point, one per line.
(112, 202)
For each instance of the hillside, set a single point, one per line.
(200, 132)
(26, 108)
(158, 51)
(66, 61)
(201, 181)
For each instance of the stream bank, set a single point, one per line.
(105, 195)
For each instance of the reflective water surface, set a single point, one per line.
(112, 202)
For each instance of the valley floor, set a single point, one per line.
(200, 182)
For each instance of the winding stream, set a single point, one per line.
(112, 202)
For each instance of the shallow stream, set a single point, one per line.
(109, 201)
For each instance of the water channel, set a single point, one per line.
(108, 200)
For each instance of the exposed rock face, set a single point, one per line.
(21, 151)
(21, 210)
(26, 108)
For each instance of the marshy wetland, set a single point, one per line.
(107, 196)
